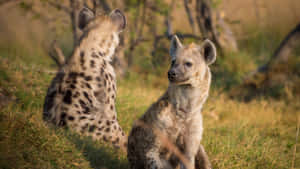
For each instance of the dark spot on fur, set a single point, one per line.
(113, 96)
(81, 74)
(92, 63)
(92, 128)
(96, 93)
(114, 117)
(105, 139)
(87, 97)
(71, 118)
(99, 122)
(102, 70)
(107, 101)
(100, 129)
(105, 83)
(108, 122)
(107, 130)
(101, 53)
(77, 94)
(73, 75)
(63, 115)
(99, 85)
(106, 76)
(88, 85)
(82, 103)
(62, 121)
(111, 107)
(98, 78)
(76, 105)
(82, 117)
(109, 89)
(82, 54)
(94, 55)
(82, 58)
(88, 78)
(78, 112)
(72, 86)
(68, 97)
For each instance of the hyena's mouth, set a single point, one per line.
(179, 81)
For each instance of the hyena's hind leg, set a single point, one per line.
(202, 160)
(110, 131)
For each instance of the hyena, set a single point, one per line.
(176, 119)
(82, 94)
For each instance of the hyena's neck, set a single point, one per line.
(94, 49)
(190, 98)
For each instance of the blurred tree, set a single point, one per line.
(278, 70)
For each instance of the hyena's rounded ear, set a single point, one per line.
(119, 19)
(175, 45)
(209, 52)
(84, 17)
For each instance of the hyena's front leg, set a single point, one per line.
(192, 140)
(202, 160)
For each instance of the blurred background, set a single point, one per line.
(252, 116)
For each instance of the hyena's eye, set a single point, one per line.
(188, 64)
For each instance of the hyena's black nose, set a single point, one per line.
(171, 75)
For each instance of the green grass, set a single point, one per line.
(259, 134)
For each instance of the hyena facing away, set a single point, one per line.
(82, 95)
(176, 115)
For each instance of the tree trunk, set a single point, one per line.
(205, 21)
(212, 26)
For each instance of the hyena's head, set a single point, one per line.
(114, 22)
(190, 63)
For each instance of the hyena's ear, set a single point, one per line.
(209, 52)
(85, 16)
(175, 45)
(119, 19)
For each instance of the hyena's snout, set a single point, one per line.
(172, 75)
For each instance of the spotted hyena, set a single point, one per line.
(82, 94)
(175, 119)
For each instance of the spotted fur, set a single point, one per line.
(176, 116)
(82, 94)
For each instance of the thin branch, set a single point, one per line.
(56, 54)
(189, 14)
